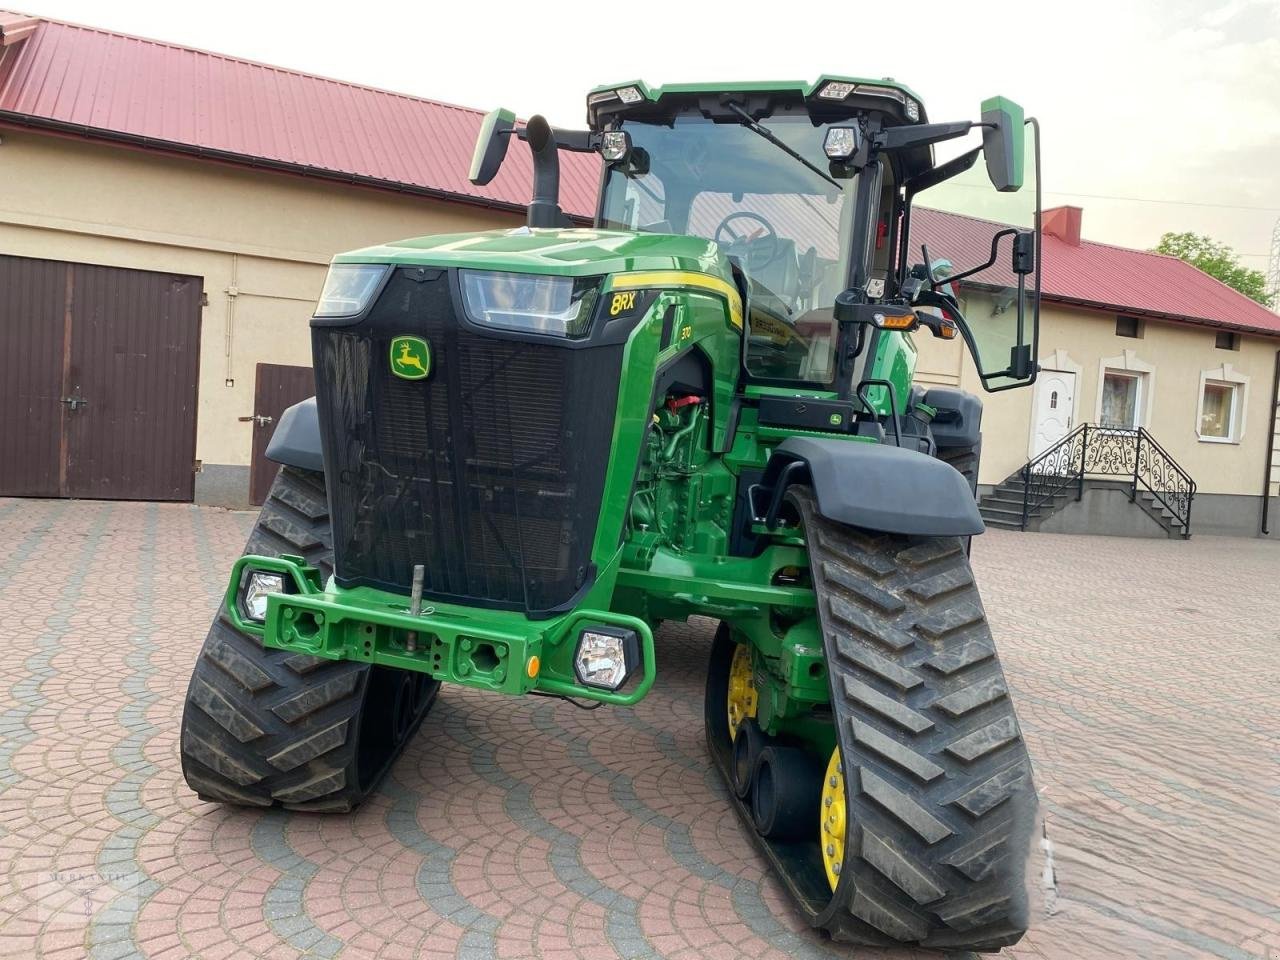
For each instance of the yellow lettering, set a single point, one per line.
(621, 302)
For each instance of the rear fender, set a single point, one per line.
(877, 487)
(296, 441)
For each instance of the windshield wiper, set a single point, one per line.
(754, 126)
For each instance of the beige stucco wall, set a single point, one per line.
(1178, 354)
(260, 240)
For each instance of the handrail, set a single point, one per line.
(1093, 450)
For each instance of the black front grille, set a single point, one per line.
(489, 472)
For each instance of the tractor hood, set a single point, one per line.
(570, 252)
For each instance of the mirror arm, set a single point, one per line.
(939, 174)
(921, 135)
(995, 243)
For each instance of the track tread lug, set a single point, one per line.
(949, 581)
(896, 751)
(977, 694)
(235, 664)
(868, 659)
(886, 706)
(973, 912)
(911, 878)
(993, 791)
(964, 655)
(983, 856)
(910, 812)
(941, 623)
(308, 748)
(861, 554)
(311, 699)
(294, 533)
(929, 551)
(309, 503)
(862, 622)
(878, 597)
(321, 785)
(888, 917)
(304, 663)
(982, 741)
(223, 712)
(218, 761)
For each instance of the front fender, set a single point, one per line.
(880, 487)
(296, 440)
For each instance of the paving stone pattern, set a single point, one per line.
(1145, 674)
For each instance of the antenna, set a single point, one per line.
(1273, 270)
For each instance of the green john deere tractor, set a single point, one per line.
(529, 447)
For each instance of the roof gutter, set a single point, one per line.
(83, 132)
(1159, 315)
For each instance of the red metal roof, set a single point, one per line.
(100, 84)
(1103, 276)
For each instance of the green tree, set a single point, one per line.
(1217, 260)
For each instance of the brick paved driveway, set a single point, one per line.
(1145, 674)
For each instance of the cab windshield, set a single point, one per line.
(785, 225)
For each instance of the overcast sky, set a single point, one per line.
(1175, 101)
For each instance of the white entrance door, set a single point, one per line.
(1055, 395)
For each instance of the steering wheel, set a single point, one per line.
(762, 244)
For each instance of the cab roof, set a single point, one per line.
(864, 93)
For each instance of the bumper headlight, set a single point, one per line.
(254, 590)
(606, 656)
(530, 302)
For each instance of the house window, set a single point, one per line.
(1121, 396)
(1218, 411)
(1128, 327)
(1053, 400)
(1225, 340)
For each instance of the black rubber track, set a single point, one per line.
(940, 801)
(966, 460)
(263, 727)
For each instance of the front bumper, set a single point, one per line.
(495, 650)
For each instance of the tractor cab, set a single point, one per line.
(808, 190)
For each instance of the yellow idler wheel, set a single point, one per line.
(742, 688)
(833, 818)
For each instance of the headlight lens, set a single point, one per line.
(530, 303)
(348, 289)
(260, 585)
(615, 145)
(841, 143)
(606, 656)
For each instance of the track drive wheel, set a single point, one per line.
(263, 727)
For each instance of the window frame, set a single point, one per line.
(1139, 398)
(1224, 376)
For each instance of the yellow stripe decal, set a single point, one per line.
(683, 278)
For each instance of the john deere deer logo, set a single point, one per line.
(410, 358)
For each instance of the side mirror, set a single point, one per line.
(1003, 143)
(491, 145)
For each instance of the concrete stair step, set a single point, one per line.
(1002, 524)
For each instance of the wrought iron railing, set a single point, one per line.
(1098, 451)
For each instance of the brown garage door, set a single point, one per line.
(98, 370)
